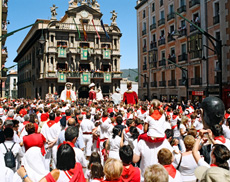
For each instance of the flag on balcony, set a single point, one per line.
(62, 52)
(85, 78)
(84, 32)
(106, 34)
(96, 30)
(79, 34)
(106, 54)
(61, 77)
(107, 78)
(84, 54)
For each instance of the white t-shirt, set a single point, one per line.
(177, 178)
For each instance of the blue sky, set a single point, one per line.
(24, 12)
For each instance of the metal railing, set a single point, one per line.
(162, 62)
(172, 83)
(153, 45)
(162, 83)
(161, 42)
(196, 81)
(153, 26)
(154, 84)
(183, 57)
(172, 59)
(161, 21)
(143, 32)
(181, 9)
(193, 3)
(170, 16)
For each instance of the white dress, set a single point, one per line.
(114, 147)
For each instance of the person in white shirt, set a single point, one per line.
(87, 127)
(6, 174)
(116, 97)
(99, 95)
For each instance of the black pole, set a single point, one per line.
(219, 44)
(187, 87)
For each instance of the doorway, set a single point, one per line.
(83, 92)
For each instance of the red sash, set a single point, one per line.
(171, 170)
(220, 138)
(156, 115)
(99, 141)
(147, 138)
(174, 117)
(140, 126)
(173, 127)
(226, 116)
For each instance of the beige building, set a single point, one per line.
(67, 53)
(164, 36)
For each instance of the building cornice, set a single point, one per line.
(140, 4)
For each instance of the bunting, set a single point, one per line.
(85, 34)
(96, 30)
(79, 34)
(106, 34)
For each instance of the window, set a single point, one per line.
(172, 51)
(145, 60)
(143, 13)
(153, 7)
(183, 48)
(97, 40)
(217, 36)
(162, 32)
(163, 76)
(52, 38)
(171, 8)
(161, 2)
(182, 23)
(115, 42)
(216, 9)
(172, 29)
(144, 43)
(173, 77)
(154, 37)
(197, 71)
(154, 20)
(162, 55)
(144, 26)
(182, 2)
(72, 39)
(162, 14)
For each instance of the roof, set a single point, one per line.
(140, 4)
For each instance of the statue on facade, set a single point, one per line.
(68, 94)
(53, 12)
(114, 17)
(73, 3)
(83, 2)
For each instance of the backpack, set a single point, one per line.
(9, 157)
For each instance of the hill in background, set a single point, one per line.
(126, 73)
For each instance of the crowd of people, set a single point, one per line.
(126, 141)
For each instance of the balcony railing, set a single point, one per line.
(172, 59)
(170, 38)
(170, 16)
(153, 26)
(154, 84)
(192, 28)
(196, 81)
(183, 57)
(161, 21)
(144, 49)
(195, 54)
(153, 64)
(143, 32)
(181, 9)
(162, 83)
(193, 3)
(145, 67)
(216, 19)
(183, 32)
(182, 82)
(172, 83)
(161, 42)
(162, 62)
(153, 45)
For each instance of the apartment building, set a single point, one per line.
(165, 38)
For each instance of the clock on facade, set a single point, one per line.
(84, 14)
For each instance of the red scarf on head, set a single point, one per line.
(226, 116)
(171, 170)
(156, 115)
(128, 173)
(220, 138)
(104, 119)
(174, 117)
(51, 123)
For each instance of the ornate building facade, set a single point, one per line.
(163, 36)
(78, 49)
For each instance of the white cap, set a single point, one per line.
(117, 89)
(91, 85)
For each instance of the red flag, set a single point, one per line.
(85, 35)
(96, 30)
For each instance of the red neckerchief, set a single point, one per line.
(166, 108)
(66, 142)
(9, 118)
(213, 165)
(127, 130)
(171, 170)
(104, 119)
(51, 123)
(128, 173)
(142, 111)
(25, 122)
(226, 116)
(180, 108)
(220, 138)
(174, 117)
(140, 126)
(192, 107)
(83, 113)
(67, 117)
(116, 180)
(128, 115)
(156, 115)
(115, 110)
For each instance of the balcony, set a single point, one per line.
(153, 26)
(183, 57)
(144, 49)
(182, 82)
(162, 83)
(195, 54)
(161, 42)
(154, 84)
(161, 22)
(162, 62)
(153, 64)
(181, 9)
(172, 83)
(216, 19)
(196, 81)
(192, 28)
(216, 80)
(153, 45)
(183, 32)
(145, 67)
(170, 38)
(170, 16)
(172, 59)
(143, 32)
(193, 3)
